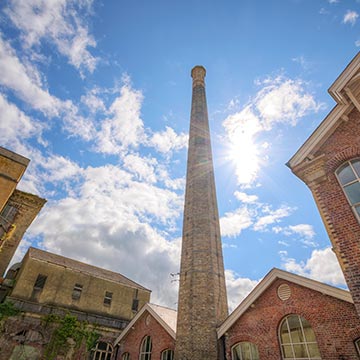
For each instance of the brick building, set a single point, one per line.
(329, 164)
(152, 331)
(17, 208)
(286, 316)
(46, 286)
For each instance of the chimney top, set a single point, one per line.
(198, 74)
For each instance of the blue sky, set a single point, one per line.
(97, 95)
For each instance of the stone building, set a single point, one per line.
(329, 164)
(48, 286)
(17, 208)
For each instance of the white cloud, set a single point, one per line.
(303, 230)
(306, 233)
(93, 101)
(258, 216)
(245, 198)
(283, 101)
(237, 288)
(125, 127)
(143, 167)
(280, 101)
(59, 22)
(350, 17)
(232, 223)
(322, 266)
(272, 216)
(168, 140)
(111, 220)
(24, 81)
(15, 125)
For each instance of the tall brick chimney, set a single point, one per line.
(202, 302)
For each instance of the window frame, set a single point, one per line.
(77, 291)
(125, 356)
(38, 286)
(240, 343)
(166, 353)
(345, 164)
(108, 298)
(101, 354)
(145, 348)
(292, 343)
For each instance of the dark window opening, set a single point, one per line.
(38, 286)
(76, 294)
(108, 298)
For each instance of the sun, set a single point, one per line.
(244, 153)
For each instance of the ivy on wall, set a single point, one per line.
(8, 309)
(68, 332)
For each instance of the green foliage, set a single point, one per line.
(50, 319)
(68, 328)
(8, 309)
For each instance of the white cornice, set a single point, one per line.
(147, 307)
(329, 124)
(267, 281)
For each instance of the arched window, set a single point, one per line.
(102, 351)
(349, 177)
(245, 351)
(125, 356)
(167, 355)
(145, 349)
(297, 339)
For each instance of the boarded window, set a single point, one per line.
(108, 298)
(38, 286)
(76, 294)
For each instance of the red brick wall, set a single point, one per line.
(333, 321)
(161, 340)
(342, 226)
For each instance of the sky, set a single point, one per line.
(98, 93)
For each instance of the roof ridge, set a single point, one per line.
(33, 251)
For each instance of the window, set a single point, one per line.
(102, 351)
(135, 305)
(76, 294)
(38, 286)
(297, 339)
(7, 216)
(145, 349)
(108, 298)
(349, 177)
(125, 356)
(135, 302)
(167, 355)
(245, 351)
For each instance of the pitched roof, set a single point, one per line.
(166, 317)
(345, 90)
(267, 281)
(79, 266)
